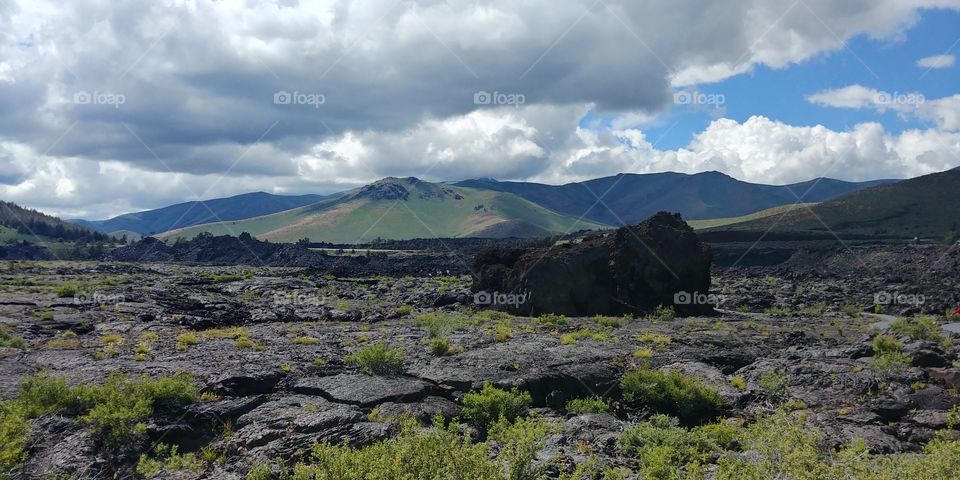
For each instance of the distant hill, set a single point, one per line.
(194, 213)
(927, 206)
(402, 208)
(634, 197)
(21, 224)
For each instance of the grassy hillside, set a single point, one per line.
(927, 207)
(770, 212)
(634, 197)
(396, 208)
(181, 215)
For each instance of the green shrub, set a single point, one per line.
(774, 382)
(920, 328)
(885, 344)
(404, 310)
(662, 314)
(491, 404)
(671, 392)
(552, 319)
(168, 459)
(113, 409)
(519, 443)
(305, 340)
(439, 453)
(609, 322)
(377, 359)
(571, 338)
(664, 449)
(440, 324)
(594, 404)
(10, 340)
(739, 382)
(260, 471)
(67, 290)
(439, 346)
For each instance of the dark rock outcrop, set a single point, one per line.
(631, 270)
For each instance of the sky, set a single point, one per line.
(112, 106)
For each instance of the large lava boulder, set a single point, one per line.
(631, 270)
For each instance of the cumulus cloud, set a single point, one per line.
(942, 112)
(937, 61)
(198, 81)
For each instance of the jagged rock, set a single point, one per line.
(364, 389)
(632, 270)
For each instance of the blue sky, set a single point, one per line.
(780, 94)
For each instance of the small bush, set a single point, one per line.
(187, 338)
(491, 404)
(377, 359)
(608, 322)
(114, 409)
(920, 328)
(67, 290)
(502, 331)
(654, 338)
(774, 383)
(665, 450)
(671, 392)
(441, 452)
(10, 340)
(552, 319)
(404, 310)
(439, 346)
(644, 353)
(519, 443)
(662, 314)
(305, 340)
(585, 332)
(885, 344)
(595, 404)
(440, 324)
(168, 459)
(739, 382)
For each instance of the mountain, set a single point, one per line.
(927, 206)
(634, 197)
(18, 223)
(194, 213)
(402, 208)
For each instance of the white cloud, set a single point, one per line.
(942, 112)
(198, 79)
(937, 61)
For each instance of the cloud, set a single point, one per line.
(942, 112)
(937, 61)
(198, 80)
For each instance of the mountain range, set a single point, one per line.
(403, 208)
(206, 211)
(406, 208)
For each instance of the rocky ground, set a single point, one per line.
(267, 347)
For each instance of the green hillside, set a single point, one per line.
(770, 212)
(927, 207)
(402, 208)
